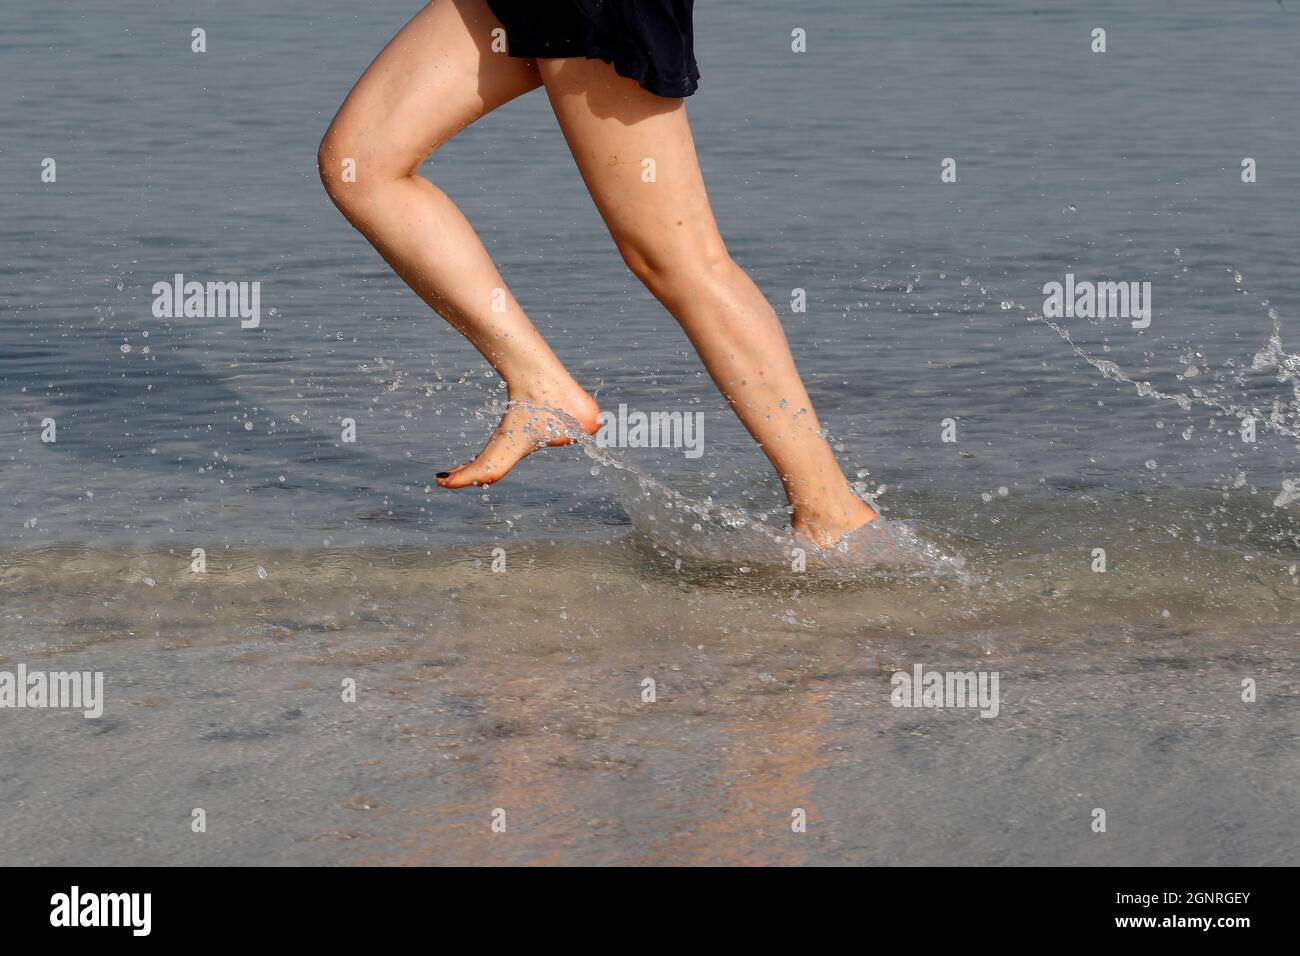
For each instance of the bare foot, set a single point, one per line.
(829, 525)
(534, 419)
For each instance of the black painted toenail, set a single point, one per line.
(443, 474)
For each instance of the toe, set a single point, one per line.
(476, 472)
(447, 479)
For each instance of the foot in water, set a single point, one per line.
(829, 525)
(534, 419)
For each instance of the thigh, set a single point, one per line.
(439, 74)
(637, 157)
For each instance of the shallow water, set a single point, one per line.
(499, 637)
(224, 694)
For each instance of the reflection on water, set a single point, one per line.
(522, 690)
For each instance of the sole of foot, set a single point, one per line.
(552, 419)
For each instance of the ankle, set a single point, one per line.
(563, 396)
(533, 381)
(827, 504)
(826, 521)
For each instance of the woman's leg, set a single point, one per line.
(438, 75)
(666, 232)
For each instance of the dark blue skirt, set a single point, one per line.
(650, 41)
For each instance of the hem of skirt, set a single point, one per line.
(674, 87)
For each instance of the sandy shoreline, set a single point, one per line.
(746, 728)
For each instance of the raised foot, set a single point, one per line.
(527, 425)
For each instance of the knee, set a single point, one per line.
(676, 268)
(351, 169)
(336, 161)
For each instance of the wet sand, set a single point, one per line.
(226, 695)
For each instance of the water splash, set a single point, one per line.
(711, 532)
(1272, 356)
